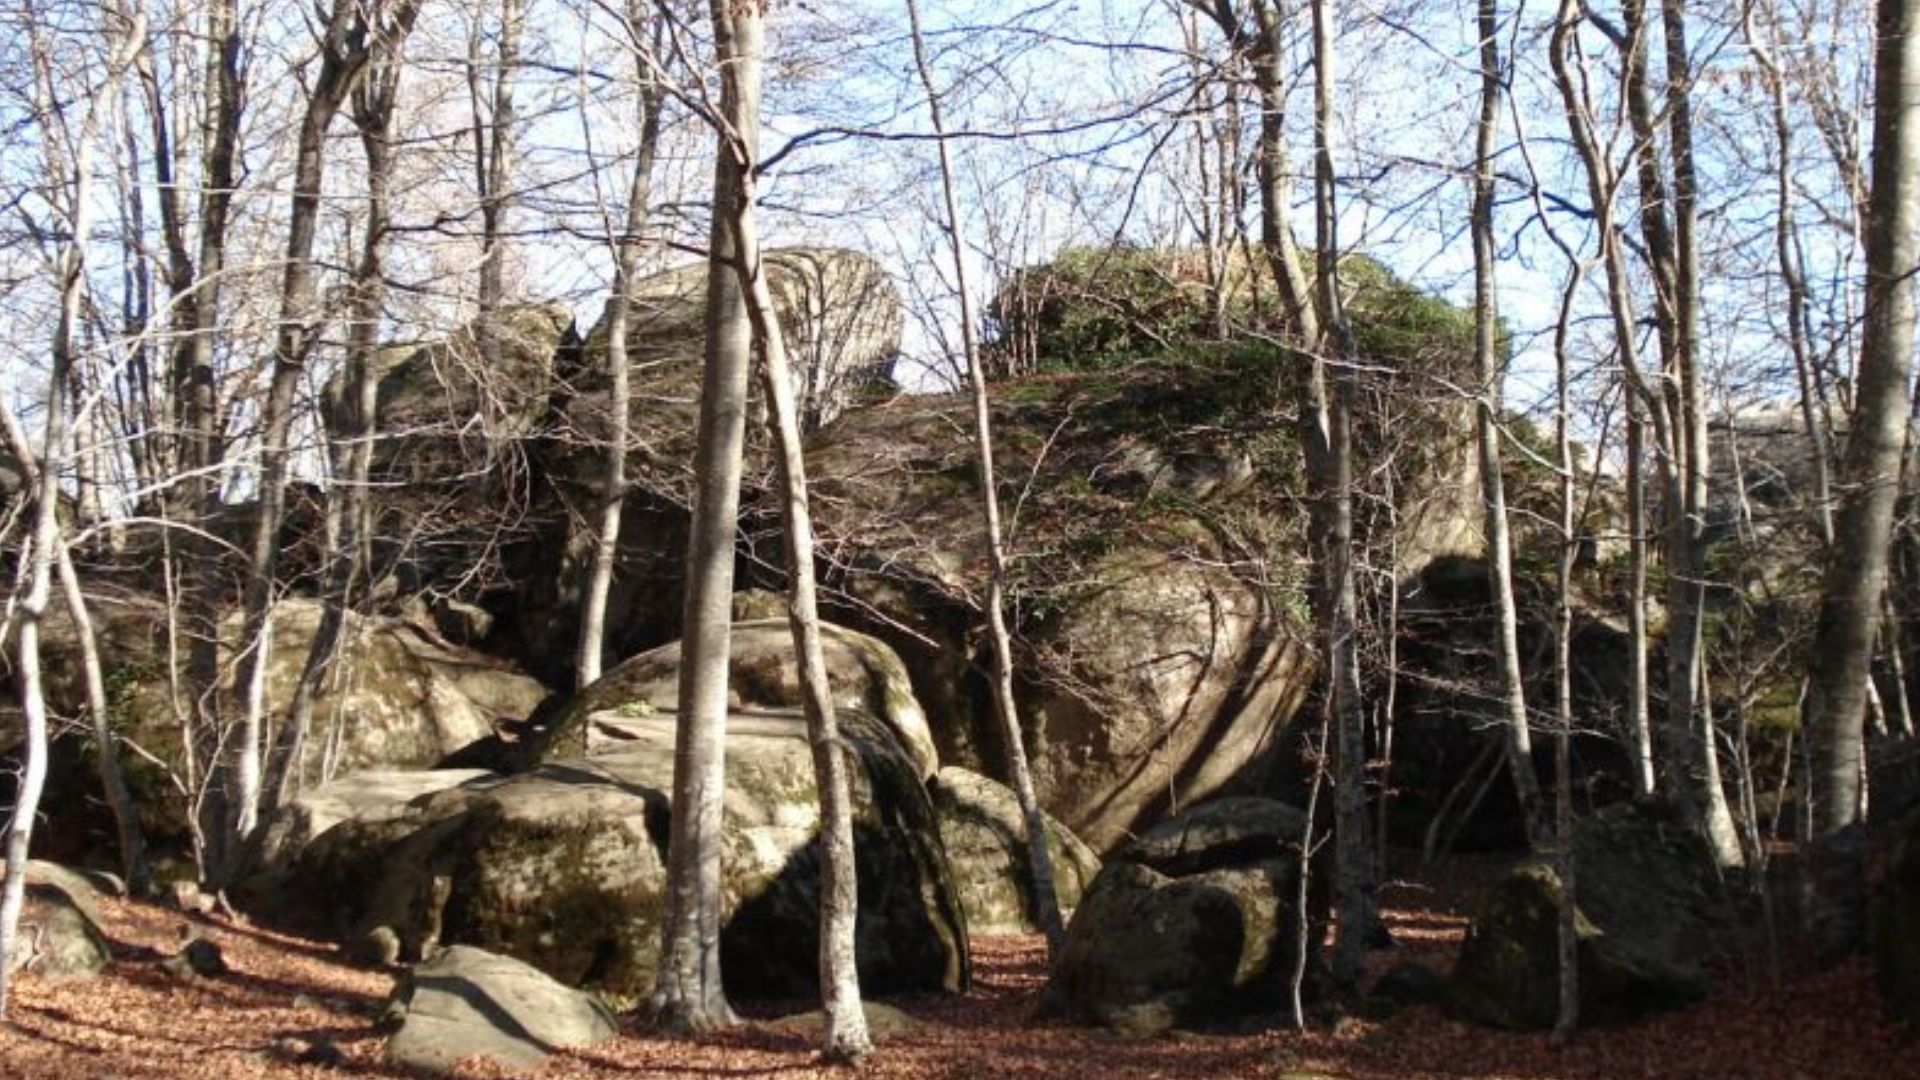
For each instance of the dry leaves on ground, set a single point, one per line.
(289, 1003)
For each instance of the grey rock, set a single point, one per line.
(467, 1003)
(60, 933)
(564, 865)
(985, 837)
(1194, 924)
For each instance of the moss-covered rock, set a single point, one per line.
(985, 837)
(564, 865)
(397, 696)
(1896, 933)
(59, 934)
(863, 672)
(1193, 924)
(1651, 912)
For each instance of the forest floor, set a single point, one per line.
(287, 1000)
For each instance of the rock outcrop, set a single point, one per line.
(842, 318)
(864, 673)
(398, 696)
(468, 1003)
(985, 838)
(1158, 657)
(563, 865)
(1194, 923)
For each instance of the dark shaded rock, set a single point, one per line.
(198, 959)
(1410, 983)
(985, 837)
(1194, 924)
(1651, 910)
(1896, 930)
(466, 1003)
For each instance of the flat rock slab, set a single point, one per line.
(467, 1002)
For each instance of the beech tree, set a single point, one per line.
(644, 32)
(351, 35)
(688, 993)
(1869, 485)
(1487, 421)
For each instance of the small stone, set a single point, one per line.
(188, 897)
(199, 958)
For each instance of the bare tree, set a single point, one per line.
(627, 247)
(1039, 857)
(72, 181)
(688, 994)
(1869, 482)
(373, 105)
(1668, 218)
(351, 34)
(113, 782)
(844, 1034)
(1493, 496)
(1327, 432)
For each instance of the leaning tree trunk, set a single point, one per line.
(373, 115)
(1869, 486)
(1493, 495)
(1046, 901)
(844, 1035)
(688, 995)
(130, 842)
(606, 546)
(344, 54)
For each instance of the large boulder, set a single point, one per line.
(1158, 662)
(399, 695)
(985, 837)
(456, 431)
(762, 673)
(59, 934)
(842, 318)
(1194, 923)
(468, 1003)
(1651, 912)
(1896, 929)
(368, 796)
(564, 865)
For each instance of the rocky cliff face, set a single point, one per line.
(1153, 507)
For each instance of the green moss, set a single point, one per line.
(536, 890)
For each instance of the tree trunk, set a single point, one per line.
(844, 1037)
(131, 843)
(373, 104)
(345, 51)
(72, 180)
(494, 145)
(688, 995)
(1869, 479)
(1327, 431)
(1046, 902)
(593, 606)
(1493, 496)
(197, 288)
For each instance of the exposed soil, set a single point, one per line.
(286, 997)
